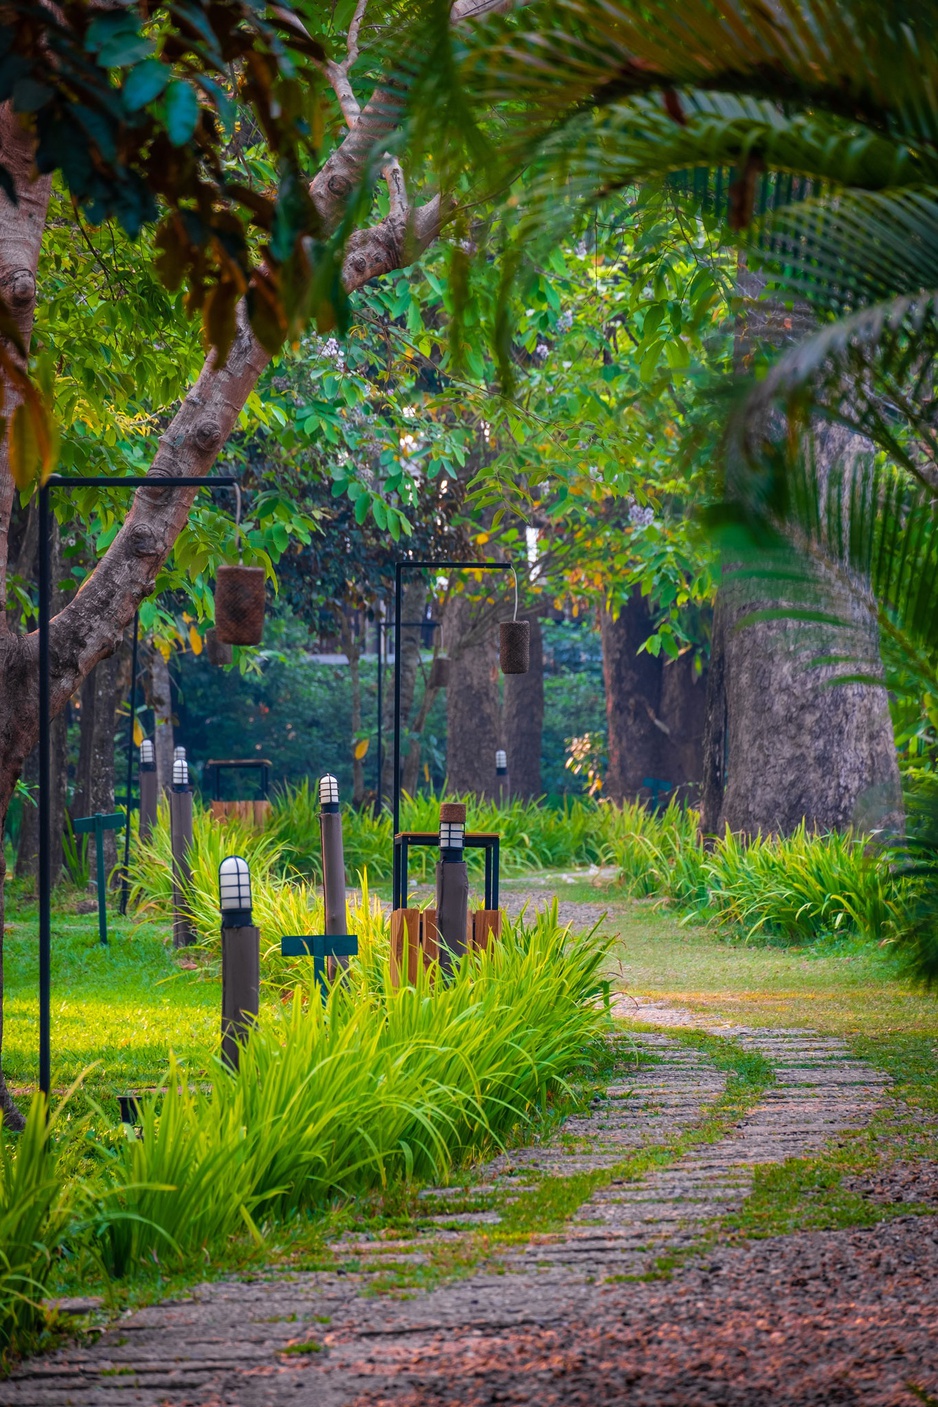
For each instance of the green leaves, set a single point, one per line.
(182, 113)
(144, 83)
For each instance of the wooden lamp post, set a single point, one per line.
(180, 820)
(240, 958)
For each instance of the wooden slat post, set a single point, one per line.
(486, 926)
(333, 867)
(240, 989)
(452, 884)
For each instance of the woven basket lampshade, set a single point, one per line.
(218, 651)
(439, 673)
(239, 605)
(515, 646)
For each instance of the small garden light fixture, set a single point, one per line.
(234, 892)
(147, 756)
(180, 772)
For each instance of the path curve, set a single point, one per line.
(229, 1344)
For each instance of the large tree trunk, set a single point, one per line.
(684, 713)
(784, 742)
(21, 227)
(161, 701)
(523, 720)
(637, 735)
(472, 703)
(413, 607)
(94, 781)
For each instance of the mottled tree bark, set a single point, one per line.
(413, 607)
(637, 735)
(473, 723)
(523, 720)
(94, 781)
(785, 743)
(655, 710)
(161, 701)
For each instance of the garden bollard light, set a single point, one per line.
(333, 866)
(452, 884)
(149, 792)
(502, 789)
(240, 958)
(180, 822)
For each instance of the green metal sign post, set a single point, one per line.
(97, 825)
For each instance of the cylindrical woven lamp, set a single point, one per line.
(239, 605)
(439, 673)
(515, 646)
(218, 651)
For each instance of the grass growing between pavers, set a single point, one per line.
(839, 988)
(122, 1007)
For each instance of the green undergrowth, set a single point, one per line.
(795, 889)
(534, 835)
(381, 1088)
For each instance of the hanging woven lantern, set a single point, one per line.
(239, 605)
(218, 651)
(515, 646)
(439, 673)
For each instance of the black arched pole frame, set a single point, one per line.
(399, 569)
(56, 481)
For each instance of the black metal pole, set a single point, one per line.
(125, 883)
(379, 791)
(45, 798)
(396, 780)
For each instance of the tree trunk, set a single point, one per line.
(683, 707)
(411, 779)
(351, 648)
(94, 782)
(637, 735)
(523, 720)
(795, 745)
(413, 607)
(27, 850)
(472, 704)
(785, 743)
(161, 701)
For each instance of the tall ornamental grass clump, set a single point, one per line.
(796, 888)
(380, 1085)
(34, 1215)
(534, 836)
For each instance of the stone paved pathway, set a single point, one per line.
(319, 1338)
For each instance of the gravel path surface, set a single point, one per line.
(845, 1317)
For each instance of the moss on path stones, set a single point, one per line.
(545, 1242)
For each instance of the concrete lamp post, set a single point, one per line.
(180, 823)
(240, 958)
